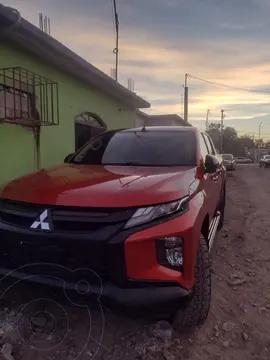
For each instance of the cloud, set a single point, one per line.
(160, 41)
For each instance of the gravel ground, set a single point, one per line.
(43, 324)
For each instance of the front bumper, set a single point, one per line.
(133, 278)
(229, 166)
(149, 297)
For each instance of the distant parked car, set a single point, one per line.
(242, 160)
(265, 161)
(229, 161)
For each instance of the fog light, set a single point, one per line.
(170, 252)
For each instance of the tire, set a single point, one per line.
(196, 311)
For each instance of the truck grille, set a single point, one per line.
(79, 238)
(64, 219)
(20, 252)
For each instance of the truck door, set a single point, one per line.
(210, 181)
(217, 178)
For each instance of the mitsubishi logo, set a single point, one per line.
(43, 222)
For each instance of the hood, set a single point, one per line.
(101, 186)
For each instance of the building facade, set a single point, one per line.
(143, 119)
(51, 100)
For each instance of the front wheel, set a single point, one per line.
(197, 309)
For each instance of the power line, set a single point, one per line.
(228, 86)
(230, 108)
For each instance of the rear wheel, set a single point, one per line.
(197, 309)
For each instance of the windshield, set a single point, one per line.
(267, 157)
(227, 157)
(142, 148)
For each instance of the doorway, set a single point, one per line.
(87, 125)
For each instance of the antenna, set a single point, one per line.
(49, 26)
(41, 21)
(116, 49)
(45, 24)
(113, 73)
(131, 84)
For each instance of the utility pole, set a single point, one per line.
(221, 130)
(116, 50)
(186, 100)
(207, 123)
(259, 143)
(254, 151)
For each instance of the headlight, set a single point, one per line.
(150, 213)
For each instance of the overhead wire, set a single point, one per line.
(235, 108)
(230, 108)
(228, 86)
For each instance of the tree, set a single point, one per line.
(230, 141)
(247, 141)
(214, 133)
(259, 143)
(232, 144)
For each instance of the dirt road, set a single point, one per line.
(238, 327)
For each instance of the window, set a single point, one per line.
(15, 104)
(27, 98)
(90, 119)
(203, 147)
(87, 125)
(142, 148)
(209, 145)
(227, 157)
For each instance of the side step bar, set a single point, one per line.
(213, 229)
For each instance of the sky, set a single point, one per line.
(220, 41)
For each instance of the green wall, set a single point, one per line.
(17, 151)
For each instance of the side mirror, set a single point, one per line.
(67, 158)
(211, 164)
